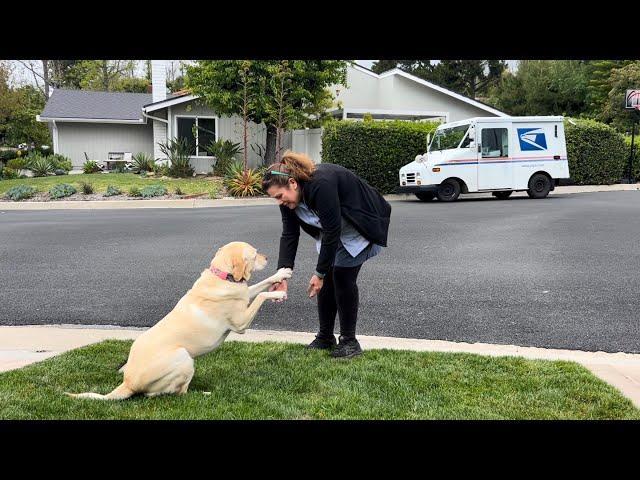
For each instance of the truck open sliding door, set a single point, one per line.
(495, 168)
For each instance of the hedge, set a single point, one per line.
(375, 150)
(597, 153)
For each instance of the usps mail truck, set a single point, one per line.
(498, 155)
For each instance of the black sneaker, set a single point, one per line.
(347, 348)
(321, 343)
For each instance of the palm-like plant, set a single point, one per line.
(241, 182)
(40, 166)
(178, 152)
(225, 152)
(143, 162)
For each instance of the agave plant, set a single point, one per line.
(243, 183)
(178, 153)
(225, 152)
(143, 162)
(40, 166)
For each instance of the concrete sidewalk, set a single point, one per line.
(23, 345)
(240, 202)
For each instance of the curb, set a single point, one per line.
(235, 202)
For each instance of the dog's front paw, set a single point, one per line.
(277, 295)
(282, 274)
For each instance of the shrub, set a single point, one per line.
(178, 152)
(134, 192)
(225, 152)
(90, 166)
(120, 167)
(17, 164)
(86, 188)
(143, 162)
(40, 166)
(242, 183)
(60, 162)
(597, 153)
(161, 168)
(179, 191)
(153, 191)
(6, 155)
(62, 190)
(111, 191)
(9, 173)
(20, 192)
(375, 150)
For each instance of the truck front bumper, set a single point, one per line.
(417, 189)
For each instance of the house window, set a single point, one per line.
(198, 132)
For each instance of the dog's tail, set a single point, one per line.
(120, 393)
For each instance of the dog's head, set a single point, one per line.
(240, 259)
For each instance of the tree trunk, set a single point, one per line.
(270, 152)
(45, 70)
(105, 76)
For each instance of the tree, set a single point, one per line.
(468, 77)
(621, 80)
(543, 87)
(218, 84)
(599, 72)
(382, 66)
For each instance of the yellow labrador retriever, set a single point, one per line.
(161, 359)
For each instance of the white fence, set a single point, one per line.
(308, 141)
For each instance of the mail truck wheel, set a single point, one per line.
(502, 195)
(539, 186)
(449, 190)
(425, 196)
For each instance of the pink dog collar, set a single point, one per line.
(223, 275)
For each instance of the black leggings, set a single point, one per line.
(339, 294)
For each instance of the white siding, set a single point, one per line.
(98, 139)
(309, 142)
(159, 136)
(229, 128)
(410, 95)
(394, 92)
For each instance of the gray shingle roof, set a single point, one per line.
(100, 105)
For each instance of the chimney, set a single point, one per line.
(158, 80)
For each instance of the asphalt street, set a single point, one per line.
(562, 272)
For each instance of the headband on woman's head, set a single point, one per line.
(273, 172)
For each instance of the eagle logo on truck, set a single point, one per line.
(532, 139)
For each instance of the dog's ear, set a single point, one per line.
(238, 265)
(247, 269)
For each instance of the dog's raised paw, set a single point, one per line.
(284, 273)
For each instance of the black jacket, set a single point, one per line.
(332, 193)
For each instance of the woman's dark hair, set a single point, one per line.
(293, 165)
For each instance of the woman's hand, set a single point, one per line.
(315, 284)
(279, 287)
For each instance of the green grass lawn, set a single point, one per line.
(285, 381)
(124, 181)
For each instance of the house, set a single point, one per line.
(112, 125)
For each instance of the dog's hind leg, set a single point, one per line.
(178, 377)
